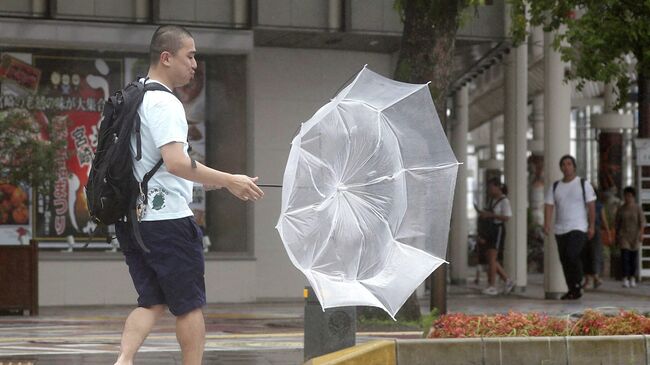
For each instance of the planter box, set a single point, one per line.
(575, 350)
(578, 350)
(19, 277)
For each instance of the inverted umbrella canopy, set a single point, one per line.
(367, 194)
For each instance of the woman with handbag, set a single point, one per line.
(498, 213)
(630, 222)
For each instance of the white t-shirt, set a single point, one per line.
(162, 121)
(502, 208)
(570, 207)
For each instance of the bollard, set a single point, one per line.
(327, 331)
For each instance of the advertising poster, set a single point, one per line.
(71, 95)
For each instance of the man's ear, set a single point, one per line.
(164, 57)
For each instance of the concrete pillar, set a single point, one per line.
(557, 128)
(494, 140)
(240, 13)
(142, 11)
(492, 167)
(458, 239)
(536, 145)
(537, 42)
(335, 18)
(515, 128)
(39, 8)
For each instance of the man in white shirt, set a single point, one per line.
(573, 200)
(171, 275)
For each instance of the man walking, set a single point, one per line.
(573, 200)
(172, 274)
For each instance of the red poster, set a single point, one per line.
(71, 95)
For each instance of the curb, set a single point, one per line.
(573, 350)
(380, 352)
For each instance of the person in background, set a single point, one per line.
(499, 212)
(592, 254)
(572, 200)
(630, 222)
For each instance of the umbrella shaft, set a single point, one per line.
(269, 185)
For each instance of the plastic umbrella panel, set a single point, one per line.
(367, 194)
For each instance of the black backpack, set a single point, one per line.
(112, 192)
(486, 228)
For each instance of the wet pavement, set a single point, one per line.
(257, 333)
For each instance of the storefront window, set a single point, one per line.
(68, 89)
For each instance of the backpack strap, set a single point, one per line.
(495, 203)
(144, 185)
(582, 185)
(152, 86)
(135, 225)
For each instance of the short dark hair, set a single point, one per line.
(629, 190)
(497, 182)
(166, 38)
(573, 160)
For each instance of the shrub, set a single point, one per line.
(591, 323)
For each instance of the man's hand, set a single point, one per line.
(244, 187)
(548, 215)
(590, 232)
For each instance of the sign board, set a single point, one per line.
(642, 146)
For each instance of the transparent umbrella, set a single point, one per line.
(367, 194)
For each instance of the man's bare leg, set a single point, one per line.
(190, 332)
(137, 327)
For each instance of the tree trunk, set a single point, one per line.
(427, 54)
(428, 44)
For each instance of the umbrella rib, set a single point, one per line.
(329, 234)
(350, 101)
(393, 176)
(404, 97)
(311, 175)
(347, 133)
(361, 165)
(358, 225)
(310, 206)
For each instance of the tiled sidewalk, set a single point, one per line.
(258, 333)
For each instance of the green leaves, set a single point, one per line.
(594, 36)
(28, 149)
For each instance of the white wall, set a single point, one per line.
(288, 87)
(66, 280)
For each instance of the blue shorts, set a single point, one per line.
(173, 272)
